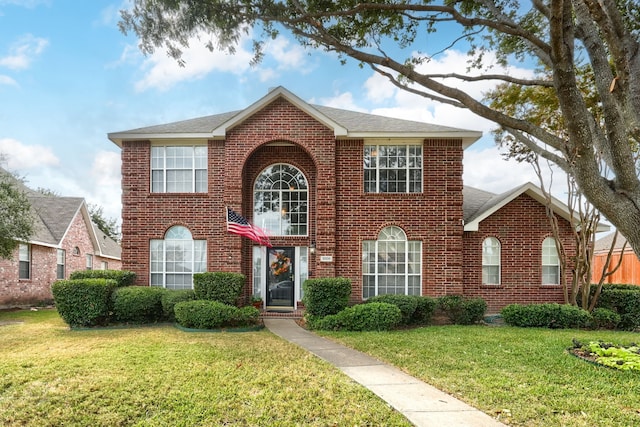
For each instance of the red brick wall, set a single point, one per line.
(37, 289)
(520, 226)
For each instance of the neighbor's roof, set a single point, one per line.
(604, 244)
(345, 124)
(479, 204)
(53, 216)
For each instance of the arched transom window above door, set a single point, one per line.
(281, 201)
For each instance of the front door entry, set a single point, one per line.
(280, 277)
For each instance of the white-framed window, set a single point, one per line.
(104, 265)
(181, 169)
(550, 262)
(175, 259)
(89, 261)
(281, 201)
(393, 168)
(491, 261)
(61, 256)
(24, 261)
(392, 264)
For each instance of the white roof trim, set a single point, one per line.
(118, 137)
(535, 193)
(221, 131)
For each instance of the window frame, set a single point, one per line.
(89, 261)
(292, 200)
(24, 261)
(158, 265)
(198, 176)
(373, 165)
(389, 240)
(61, 259)
(491, 265)
(548, 243)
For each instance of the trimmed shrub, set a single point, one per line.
(171, 297)
(626, 302)
(245, 316)
(83, 302)
(462, 311)
(425, 307)
(603, 318)
(204, 314)
(407, 304)
(138, 304)
(218, 286)
(375, 316)
(325, 296)
(545, 316)
(122, 277)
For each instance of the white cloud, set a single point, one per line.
(23, 52)
(287, 55)
(22, 157)
(8, 81)
(106, 188)
(341, 100)
(163, 72)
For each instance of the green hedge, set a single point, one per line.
(406, 303)
(83, 302)
(122, 277)
(138, 304)
(171, 297)
(461, 310)
(603, 318)
(546, 316)
(325, 296)
(425, 308)
(218, 286)
(625, 302)
(206, 314)
(375, 316)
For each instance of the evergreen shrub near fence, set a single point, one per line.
(624, 301)
(223, 287)
(138, 304)
(325, 296)
(122, 277)
(83, 302)
(546, 316)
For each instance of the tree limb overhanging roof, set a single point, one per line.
(344, 123)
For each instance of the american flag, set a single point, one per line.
(237, 224)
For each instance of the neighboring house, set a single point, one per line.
(340, 193)
(65, 240)
(629, 270)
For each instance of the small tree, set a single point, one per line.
(16, 218)
(108, 226)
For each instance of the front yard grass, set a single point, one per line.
(524, 376)
(160, 376)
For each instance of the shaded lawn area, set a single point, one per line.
(523, 376)
(159, 376)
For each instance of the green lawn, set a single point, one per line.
(523, 375)
(161, 376)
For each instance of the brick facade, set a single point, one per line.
(15, 292)
(341, 214)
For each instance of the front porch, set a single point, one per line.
(290, 314)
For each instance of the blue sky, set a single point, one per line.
(68, 77)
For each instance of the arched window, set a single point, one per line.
(491, 261)
(280, 201)
(175, 258)
(392, 264)
(550, 262)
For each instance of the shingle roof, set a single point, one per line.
(344, 122)
(604, 244)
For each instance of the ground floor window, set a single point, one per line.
(89, 262)
(60, 263)
(550, 262)
(391, 265)
(24, 269)
(174, 259)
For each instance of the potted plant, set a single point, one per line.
(256, 301)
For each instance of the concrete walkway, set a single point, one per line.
(421, 403)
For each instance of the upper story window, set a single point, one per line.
(491, 261)
(280, 201)
(392, 264)
(24, 269)
(393, 168)
(181, 169)
(550, 262)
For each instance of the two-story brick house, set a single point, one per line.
(377, 200)
(64, 240)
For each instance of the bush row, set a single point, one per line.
(122, 277)
(98, 301)
(558, 316)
